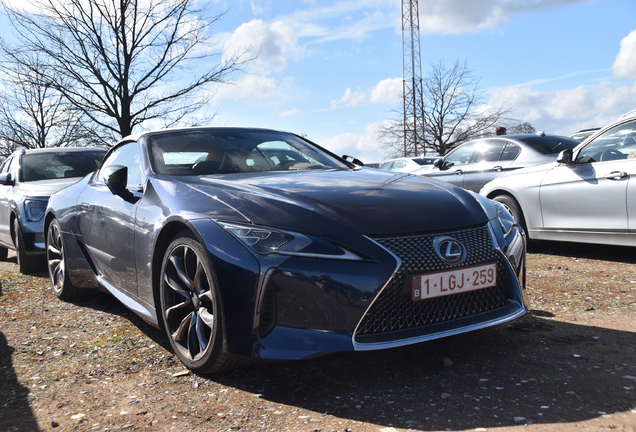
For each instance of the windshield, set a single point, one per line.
(224, 150)
(550, 144)
(62, 164)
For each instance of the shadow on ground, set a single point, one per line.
(533, 371)
(583, 250)
(15, 410)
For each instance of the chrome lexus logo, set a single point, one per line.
(449, 250)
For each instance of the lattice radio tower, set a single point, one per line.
(412, 80)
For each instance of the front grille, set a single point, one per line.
(394, 315)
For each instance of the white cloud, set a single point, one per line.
(258, 7)
(566, 111)
(255, 87)
(365, 147)
(350, 99)
(460, 16)
(270, 46)
(625, 64)
(387, 91)
(290, 113)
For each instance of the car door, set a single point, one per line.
(487, 164)
(454, 164)
(590, 195)
(5, 199)
(107, 221)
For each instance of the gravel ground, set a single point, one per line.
(570, 364)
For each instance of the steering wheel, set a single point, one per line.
(607, 155)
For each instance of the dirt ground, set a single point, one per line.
(568, 365)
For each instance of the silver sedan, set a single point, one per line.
(475, 163)
(586, 195)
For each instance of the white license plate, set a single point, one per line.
(454, 281)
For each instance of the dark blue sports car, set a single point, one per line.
(258, 244)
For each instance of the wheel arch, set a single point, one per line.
(12, 218)
(165, 237)
(48, 218)
(502, 192)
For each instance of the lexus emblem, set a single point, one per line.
(449, 250)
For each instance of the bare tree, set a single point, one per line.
(521, 128)
(125, 62)
(32, 114)
(454, 112)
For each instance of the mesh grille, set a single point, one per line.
(395, 311)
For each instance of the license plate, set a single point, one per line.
(454, 281)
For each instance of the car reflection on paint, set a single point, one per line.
(247, 244)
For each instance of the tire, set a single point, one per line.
(191, 308)
(26, 263)
(515, 210)
(61, 283)
(4, 252)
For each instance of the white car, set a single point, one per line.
(586, 195)
(408, 164)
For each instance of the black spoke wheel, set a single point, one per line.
(190, 307)
(56, 261)
(26, 263)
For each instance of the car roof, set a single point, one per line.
(136, 136)
(60, 149)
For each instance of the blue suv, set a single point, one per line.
(27, 179)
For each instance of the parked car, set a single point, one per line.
(586, 195)
(239, 254)
(27, 179)
(584, 134)
(408, 164)
(475, 163)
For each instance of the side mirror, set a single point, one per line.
(353, 160)
(438, 163)
(6, 180)
(116, 177)
(565, 157)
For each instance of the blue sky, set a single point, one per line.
(332, 70)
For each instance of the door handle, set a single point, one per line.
(616, 175)
(85, 206)
(498, 168)
(459, 172)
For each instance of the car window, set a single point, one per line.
(488, 150)
(59, 164)
(614, 144)
(460, 156)
(510, 152)
(386, 165)
(399, 164)
(424, 161)
(6, 164)
(550, 144)
(127, 155)
(227, 150)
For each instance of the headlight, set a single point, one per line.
(263, 241)
(34, 209)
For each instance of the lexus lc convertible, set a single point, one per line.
(249, 244)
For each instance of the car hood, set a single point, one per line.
(45, 188)
(366, 201)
